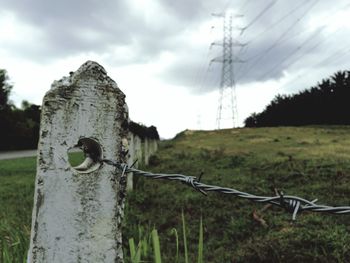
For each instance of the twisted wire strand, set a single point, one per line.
(293, 204)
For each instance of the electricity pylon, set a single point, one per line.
(227, 106)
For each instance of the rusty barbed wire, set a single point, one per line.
(293, 204)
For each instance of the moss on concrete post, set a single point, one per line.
(78, 211)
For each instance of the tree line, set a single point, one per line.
(143, 131)
(19, 127)
(327, 103)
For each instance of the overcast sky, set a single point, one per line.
(159, 52)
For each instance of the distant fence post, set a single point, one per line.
(146, 151)
(78, 210)
(138, 150)
(131, 160)
(154, 146)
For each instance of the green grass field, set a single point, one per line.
(311, 162)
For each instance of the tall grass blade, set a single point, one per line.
(145, 247)
(156, 246)
(132, 249)
(173, 231)
(135, 253)
(184, 236)
(200, 242)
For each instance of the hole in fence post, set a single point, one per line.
(85, 156)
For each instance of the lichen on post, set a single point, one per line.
(78, 210)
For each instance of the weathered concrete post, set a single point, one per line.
(131, 160)
(146, 151)
(154, 146)
(138, 150)
(78, 210)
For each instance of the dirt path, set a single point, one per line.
(17, 154)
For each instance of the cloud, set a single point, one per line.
(169, 41)
(290, 36)
(71, 27)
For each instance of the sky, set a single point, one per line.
(160, 54)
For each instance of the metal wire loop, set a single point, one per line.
(191, 181)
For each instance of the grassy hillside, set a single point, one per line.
(311, 162)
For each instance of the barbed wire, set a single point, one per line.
(293, 204)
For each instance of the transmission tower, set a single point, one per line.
(227, 106)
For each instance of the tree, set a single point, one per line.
(251, 121)
(5, 89)
(327, 103)
(19, 128)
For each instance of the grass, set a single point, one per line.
(16, 201)
(156, 246)
(184, 236)
(16, 198)
(311, 162)
(144, 252)
(200, 242)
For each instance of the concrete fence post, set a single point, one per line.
(146, 151)
(154, 146)
(138, 150)
(78, 210)
(131, 160)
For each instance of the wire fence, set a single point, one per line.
(293, 204)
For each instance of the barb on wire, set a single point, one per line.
(293, 204)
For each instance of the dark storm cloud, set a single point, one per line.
(203, 77)
(73, 27)
(66, 25)
(258, 57)
(186, 10)
(277, 40)
(70, 27)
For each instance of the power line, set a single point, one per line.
(325, 19)
(330, 16)
(345, 49)
(201, 72)
(269, 6)
(285, 16)
(263, 54)
(204, 78)
(294, 51)
(310, 49)
(279, 40)
(329, 59)
(328, 37)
